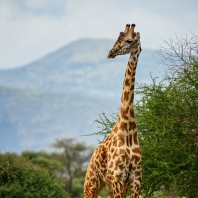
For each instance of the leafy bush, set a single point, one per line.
(20, 178)
(167, 117)
(43, 159)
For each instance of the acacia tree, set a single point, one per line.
(74, 157)
(167, 117)
(167, 120)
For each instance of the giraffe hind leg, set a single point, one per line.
(119, 191)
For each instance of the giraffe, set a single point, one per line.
(116, 162)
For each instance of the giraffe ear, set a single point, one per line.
(138, 35)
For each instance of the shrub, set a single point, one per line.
(20, 178)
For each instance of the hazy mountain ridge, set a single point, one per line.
(32, 120)
(80, 67)
(61, 94)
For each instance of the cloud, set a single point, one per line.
(38, 28)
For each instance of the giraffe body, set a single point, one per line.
(116, 162)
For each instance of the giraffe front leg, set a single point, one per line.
(93, 187)
(93, 183)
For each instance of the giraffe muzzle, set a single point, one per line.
(111, 54)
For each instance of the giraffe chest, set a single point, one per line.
(117, 158)
(121, 158)
(123, 162)
(121, 149)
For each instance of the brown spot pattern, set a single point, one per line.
(111, 165)
(131, 100)
(130, 65)
(123, 126)
(129, 72)
(132, 112)
(135, 138)
(127, 82)
(132, 87)
(137, 150)
(124, 112)
(112, 150)
(130, 140)
(127, 140)
(126, 95)
(132, 125)
(121, 141)
(136, 159)
(128, 151)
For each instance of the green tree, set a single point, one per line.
(167, 117)
(43, 159)
(74, 157)
(167, 120)
(20, 178)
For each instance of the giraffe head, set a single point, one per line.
(127, 42)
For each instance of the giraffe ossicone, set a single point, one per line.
(116, 163)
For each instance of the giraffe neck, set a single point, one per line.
(126, 114)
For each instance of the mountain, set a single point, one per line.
(33, 120)
(80, 67)
(62, 93)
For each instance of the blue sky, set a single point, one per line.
(38, 27)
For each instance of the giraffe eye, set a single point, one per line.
(128, 41)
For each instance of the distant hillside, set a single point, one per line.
(80, 67)
(33, 120)
(61, 94)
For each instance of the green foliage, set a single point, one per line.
(105, 125)
(73, 156)
(43, 159)
(41, 174)
(77, 187)
(167, 117)
(20, 178)
(167, 120)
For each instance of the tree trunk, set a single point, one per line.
(68, 185)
